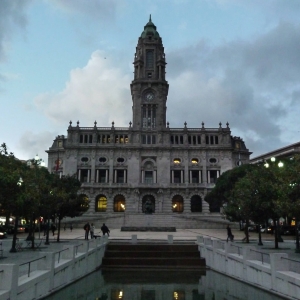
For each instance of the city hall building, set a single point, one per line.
(148, 174)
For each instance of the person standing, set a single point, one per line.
(229, 234)
(86, 228)
(105, 229)
(92, 230)
(71, 227)
(53, 228)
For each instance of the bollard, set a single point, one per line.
(134, 239)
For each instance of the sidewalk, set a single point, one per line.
(187, 235)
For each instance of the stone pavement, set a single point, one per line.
(183, 235)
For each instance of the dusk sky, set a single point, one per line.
(228, 60)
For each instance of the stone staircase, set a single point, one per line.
(152, 256)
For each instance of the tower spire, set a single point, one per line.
(150, 18)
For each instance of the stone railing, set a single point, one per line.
(269, 271)
(51, 271)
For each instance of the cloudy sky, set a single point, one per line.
(228, 60)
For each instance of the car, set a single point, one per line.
(3, 235)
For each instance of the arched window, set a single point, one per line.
(196, 204)
(101, 203)
(177, 203)
(119, 203)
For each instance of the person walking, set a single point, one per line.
(105, 229)
(86, 228)
(230, 236)
(53, 228)
(92, 230)
(71, 227)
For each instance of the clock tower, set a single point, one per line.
(149, 88)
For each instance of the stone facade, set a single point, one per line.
(147, 173)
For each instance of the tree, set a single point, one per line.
(67, 202)
(220, 195)
(13, 189)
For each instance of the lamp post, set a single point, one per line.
(278, 237)
(35, 162)
(13, 247)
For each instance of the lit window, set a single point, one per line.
(195, 161)
(177, 160)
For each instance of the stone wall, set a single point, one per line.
(273, 272)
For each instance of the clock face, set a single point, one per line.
(149, 96)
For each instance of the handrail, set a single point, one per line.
(262, 254)
(294, 260)
(76, 247)
(29, 262)
(59, 253)
(239, 247)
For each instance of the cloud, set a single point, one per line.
(99, 91)
(96, 9)
(31, 143)
(252, 84)
(12, 17)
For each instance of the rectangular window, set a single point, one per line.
(144, 139)
(149, 59)
(102, 176)
(195, 176)
(120, 176)
(83, 175)
(148, 177)
(217, 140)
(199, 139)
(213, 175)
(81, 138)
(153, 139)
(177, 176)
(90, 138)
(181, 140)
(207, 140)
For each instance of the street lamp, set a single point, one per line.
(13, 247)
(277, 230)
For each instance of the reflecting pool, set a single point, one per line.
(160, 285)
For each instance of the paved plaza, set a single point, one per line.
(181, 235)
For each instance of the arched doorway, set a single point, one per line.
(148, 204)
(119, 203)
(177, 204)
(101, 203)
(196, 203)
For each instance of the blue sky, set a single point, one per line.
(228, 60)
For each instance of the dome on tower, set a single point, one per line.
(150, 30)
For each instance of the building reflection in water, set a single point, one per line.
(160, 285)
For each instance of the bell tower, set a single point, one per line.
(149, 88)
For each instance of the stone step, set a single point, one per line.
(152, 256)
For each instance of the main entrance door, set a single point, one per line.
(148, 204)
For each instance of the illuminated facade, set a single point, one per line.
(148, 167)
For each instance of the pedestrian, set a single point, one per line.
(86, 228)
(92, 230)
(53, 228)
(246, 238)
(105, 229)
(65, 227)
(71, 227)
(230, 236)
